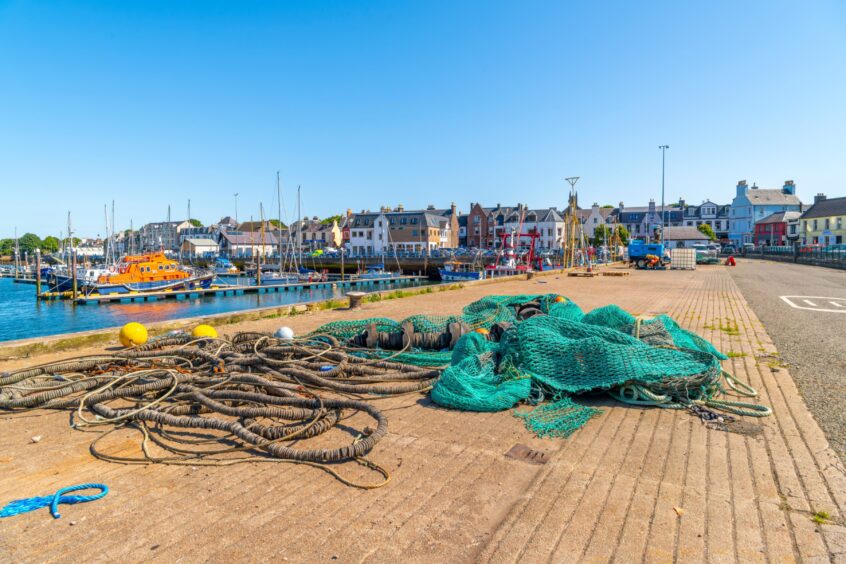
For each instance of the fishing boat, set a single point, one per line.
(454, 271)
(152, 272)
(378, 271)
(60, 280)
(223, 266)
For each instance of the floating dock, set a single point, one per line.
(224, 291)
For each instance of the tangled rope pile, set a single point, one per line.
(221, 402)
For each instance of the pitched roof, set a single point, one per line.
(684, 234)
(759, 197)
(780, 217)
(248, 238)
(201, 241)
(826, 208)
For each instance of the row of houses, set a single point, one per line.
(229, 238)
(755, 215)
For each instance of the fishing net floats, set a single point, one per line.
(213, 401)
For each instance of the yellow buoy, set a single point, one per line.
(482, 331)
(201, 331)
(133, 334)
(560, 299)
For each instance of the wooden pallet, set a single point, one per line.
(583, 274)
(616, 273)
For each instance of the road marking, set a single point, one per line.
(796, 302)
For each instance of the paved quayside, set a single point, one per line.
(633, 484)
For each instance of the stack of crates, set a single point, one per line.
(683, 259)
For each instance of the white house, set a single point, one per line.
(683, 237)
(240, 244)
(548, 222)
(199, 246)
(369, 233)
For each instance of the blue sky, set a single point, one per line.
(369, 103)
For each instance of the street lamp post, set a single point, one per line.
(663, 159)
(236, 209)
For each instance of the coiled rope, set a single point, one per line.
(53, 501)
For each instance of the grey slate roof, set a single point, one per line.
(759, 197)
(780, 217)
(826, 208)
(684, 234)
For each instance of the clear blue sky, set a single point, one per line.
(368, 103)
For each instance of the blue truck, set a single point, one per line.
(647, 255)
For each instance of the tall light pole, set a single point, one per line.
(663, 159)
(236, 209)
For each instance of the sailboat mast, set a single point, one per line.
(299, 246)
(279, 227)
(108, 240)
(112, 240)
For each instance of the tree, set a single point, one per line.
(7, 246)
(623, 234)
(29, 242)
(607, 207)
(195, 222)
(50, 244)
(276, 223)
(329, 220)
(706, 230)
(601, 235)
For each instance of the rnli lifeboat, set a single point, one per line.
(152, 272)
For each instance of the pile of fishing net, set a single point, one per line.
(216, 401)
(544, 350)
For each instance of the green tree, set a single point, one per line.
(707, 231)
(607, 207)
(623, 234)
(29, 242)
(601, 235)
(50, 244)
(7, 246)
(195, 222)
(276, 223)
(330, 219)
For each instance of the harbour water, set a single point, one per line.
(25, 317)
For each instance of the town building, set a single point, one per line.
(752, 204)
(197, 247)
(548, 223)
(645, 222)
(824, 223)
(373, 233)
(680, 237)
(241, 244)
(162, 235)
(707, 213)
(772, 230)
(313, 234)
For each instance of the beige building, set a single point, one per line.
(372, 233)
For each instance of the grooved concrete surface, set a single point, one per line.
(633, 484)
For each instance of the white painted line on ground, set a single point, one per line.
(793, 301)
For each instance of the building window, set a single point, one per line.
(815, 226)
(827, 223)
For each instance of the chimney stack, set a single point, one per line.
(789, 187)
(819, 198)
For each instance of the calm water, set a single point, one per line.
(22, 316)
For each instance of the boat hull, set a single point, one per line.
(193, 283)
(458, 276)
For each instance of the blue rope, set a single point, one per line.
(52, 501)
